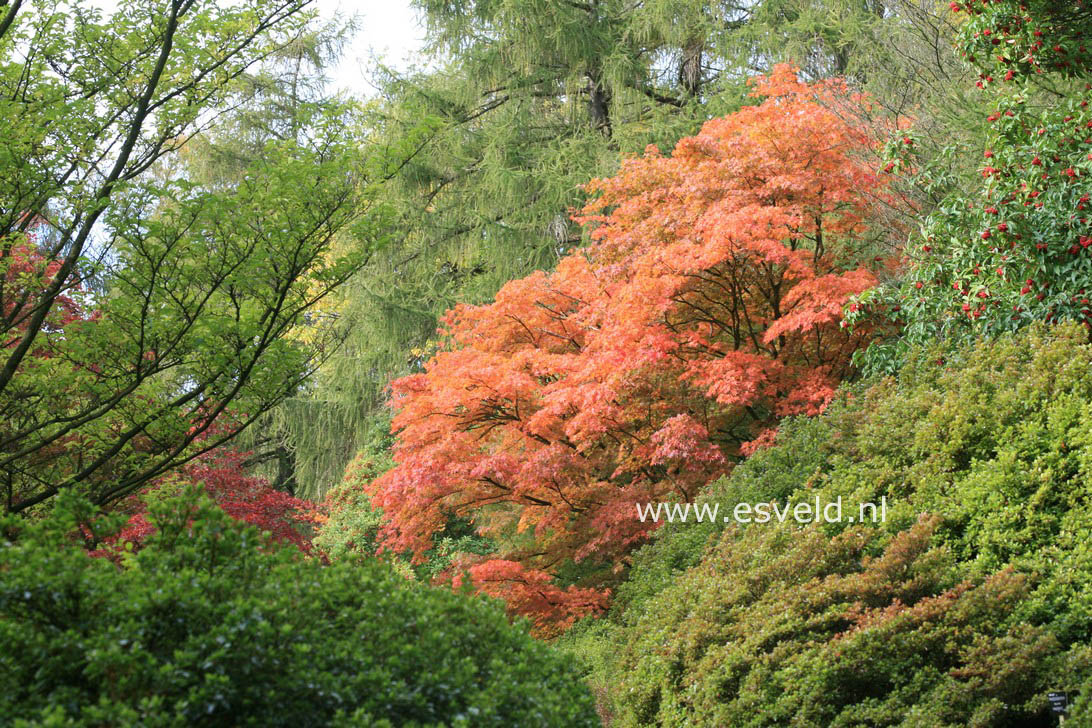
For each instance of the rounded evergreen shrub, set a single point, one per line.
(210, 625)
(969, 604)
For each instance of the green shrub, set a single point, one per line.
(964, 608)
(351, 531)
(1011, 243)
(205, 626)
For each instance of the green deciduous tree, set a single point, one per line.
(197, 286)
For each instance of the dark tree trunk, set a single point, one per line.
(286, 471)
(599, 97)
(690, 76)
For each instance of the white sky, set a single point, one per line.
(389, 30)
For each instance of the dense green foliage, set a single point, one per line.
(965, 607)
(204, 627)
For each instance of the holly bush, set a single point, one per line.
(210, 625)
(965, 607)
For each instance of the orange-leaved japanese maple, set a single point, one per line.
(707, 307)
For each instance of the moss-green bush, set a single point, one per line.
(207, 626)
(964, 608)
(351, 531)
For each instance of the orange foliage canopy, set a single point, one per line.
(708, 307)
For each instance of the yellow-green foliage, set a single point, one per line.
(969, 604)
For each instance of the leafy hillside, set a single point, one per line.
(969, 604)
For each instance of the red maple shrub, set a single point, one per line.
(533, 594)
(246, 498)
(708, 307)
(24, 271)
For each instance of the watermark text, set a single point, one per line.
(802, 512)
